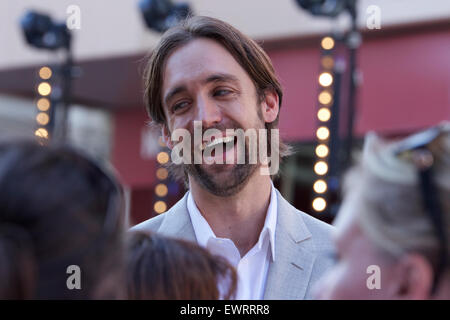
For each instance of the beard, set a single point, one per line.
(218, 182)
(223, 180)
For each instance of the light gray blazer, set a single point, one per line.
(303, 247)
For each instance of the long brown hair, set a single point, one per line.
(161, 268)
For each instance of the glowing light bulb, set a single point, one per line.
(162, 157)
(160, 207)
(327, 43)
(322, 150)
(42, 118)
(162, 173)
(325, 97)
(324, 114)
(41, 133)
(44, 88)
(320, 186)
(43, 104)
(323, 133)
(161, 190)
(321, 168)
(45, 73)
(319, 204)
(325, 79)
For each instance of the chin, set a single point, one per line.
(223, 181)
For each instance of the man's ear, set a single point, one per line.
(165, 132)
(414, 276)
(270, 106)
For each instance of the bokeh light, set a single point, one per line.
(321, 168)
(319, 204)
(45, 73)
(162, 157)
(160, 207)
(44, 89)
(327, 43)
(325, 79)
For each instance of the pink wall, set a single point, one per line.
(133, 170)
(406, 85)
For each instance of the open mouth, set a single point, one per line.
(212, 147)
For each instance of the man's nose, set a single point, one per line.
(208, 112)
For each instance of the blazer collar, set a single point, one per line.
(177, 222)
(289, 274)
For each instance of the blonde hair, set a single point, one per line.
(393, 215)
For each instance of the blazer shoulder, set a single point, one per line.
(316, 225)
(320, 230)
(168, 223)
(150, 225)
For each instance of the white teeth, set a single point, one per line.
(217, 141)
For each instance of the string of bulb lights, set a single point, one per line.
(161, 189)
(43, 104)
(324, 113)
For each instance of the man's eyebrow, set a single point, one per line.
(174, 92)
(222, 77)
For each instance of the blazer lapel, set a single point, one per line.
(177, 222)
(289, 274)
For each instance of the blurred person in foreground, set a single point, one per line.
(162, 268)
(205, 75)
(58, 209)
(392, 231)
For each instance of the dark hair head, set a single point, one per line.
(171, 269)
(57, 208)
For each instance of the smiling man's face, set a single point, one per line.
(203, 82)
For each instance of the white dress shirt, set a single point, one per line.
(253, 267)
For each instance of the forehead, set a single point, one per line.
(197, 60)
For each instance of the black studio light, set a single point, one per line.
(329, 8)
(160, 15)
(43, 33)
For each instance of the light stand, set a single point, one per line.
(340, 146)
(43, 33)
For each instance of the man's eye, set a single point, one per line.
(178, 106)
(221, 92)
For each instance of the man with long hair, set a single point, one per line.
(205, 76)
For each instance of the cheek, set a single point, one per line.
(181, 122)
(341, 282)
(331, 285)
(245, 109)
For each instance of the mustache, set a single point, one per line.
(232, 125)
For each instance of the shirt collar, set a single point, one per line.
(203, 231)
(201, 227)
